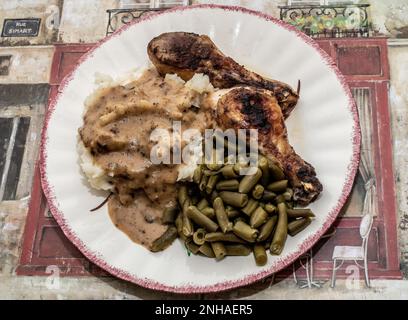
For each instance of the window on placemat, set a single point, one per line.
(13, 135)
(22, 109)
(364, 194)
(5, 62)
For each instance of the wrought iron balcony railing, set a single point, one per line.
(119, 17)
(328, 21)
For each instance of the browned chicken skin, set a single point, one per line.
(255, 103)
(254, 108)
(188, 53)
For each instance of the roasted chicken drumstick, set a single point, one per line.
(188, 53)
(254, 108)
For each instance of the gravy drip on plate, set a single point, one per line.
(116, 129)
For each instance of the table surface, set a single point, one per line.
(13, 216)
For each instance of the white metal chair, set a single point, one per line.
(354, 253)
(308, 266)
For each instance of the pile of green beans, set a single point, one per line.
(224, 213)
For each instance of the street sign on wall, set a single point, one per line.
(21, 27)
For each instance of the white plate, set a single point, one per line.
(323, 129)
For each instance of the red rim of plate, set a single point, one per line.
(221, 286)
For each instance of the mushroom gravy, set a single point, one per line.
(117, 125)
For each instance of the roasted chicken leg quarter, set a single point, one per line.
(188, 53)
(254, 108)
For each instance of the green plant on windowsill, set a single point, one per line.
(325, 23)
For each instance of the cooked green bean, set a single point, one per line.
(221, 215)
(170, 214)
(250, 207)
(178, 222)
(215, 163)
(288, 194)
(214, 166)
(210, 173)
(187, 224)
(258, 217)
(188, 229)
(231, 212)
(219, 250)
(296, 226)
(228, 172)
(270, 208)
(238, 166)
(197, 174)
(300, 213)
(206, 250)
(249, 181)
(202, 220)
(276, 172)
(240, 218)
(179, 226)
(281, 232)
(209, 212)
(203, 204)
(278, 186)
(224, 237)
(191, 246)
(165, 239)
(203, 182)
(263, 165)
(214, 195)
(185, 205)
(182, 194)
(212, 180)
(279, 199)
(258, 191)
(266, 230)
(228, 185)
(244, 231)
(237, 250)
(260, 255)
(198, 236)
(234, 198)
(268, 195)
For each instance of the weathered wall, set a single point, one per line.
(46, 10)
(28, 64)
(390, 17)
(84, 21)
